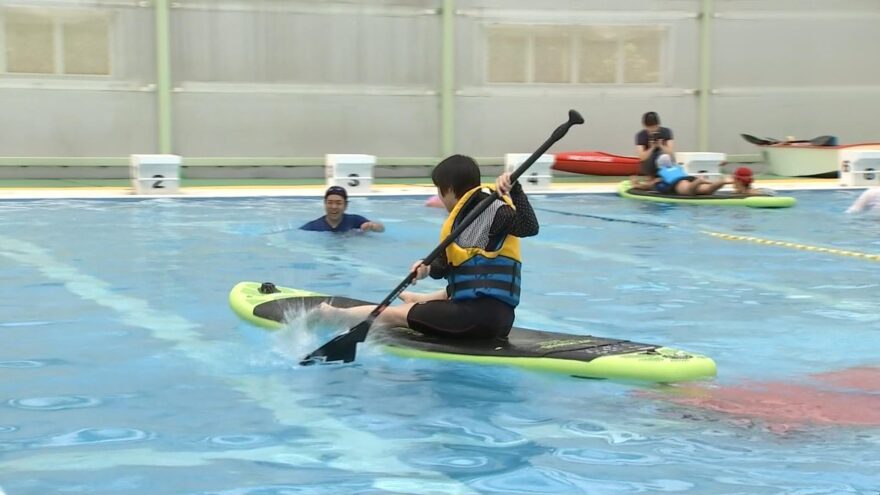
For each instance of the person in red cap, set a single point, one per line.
(742, 183)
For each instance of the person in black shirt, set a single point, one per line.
(651, 142)
(336, 220)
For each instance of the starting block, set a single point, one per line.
(537, 177)
(701, 163)
(155, 174)
(353, 172)
(859, 167)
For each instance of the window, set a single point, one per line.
(43, 41)
(575, 54)
(507, 62)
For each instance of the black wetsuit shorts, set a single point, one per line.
(481, 318)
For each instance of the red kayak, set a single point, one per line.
(596, 163)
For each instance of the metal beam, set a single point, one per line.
(447, 83)
(163, 75)
(706, 14)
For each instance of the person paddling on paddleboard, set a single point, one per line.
(482, 267)
(336, 220)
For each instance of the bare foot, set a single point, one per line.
(327, 311)
(411, 297)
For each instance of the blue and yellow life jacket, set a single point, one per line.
(476, 272)
(671, 175)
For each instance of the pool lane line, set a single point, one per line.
(359, 451)
(792, 245)
(731, 237)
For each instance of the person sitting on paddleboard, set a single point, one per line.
(651, 142)
(482, 267)
(673, 179)
(335, 218)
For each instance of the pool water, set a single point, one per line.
(124, 371)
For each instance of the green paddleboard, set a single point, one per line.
(723, 198)
(577, 355)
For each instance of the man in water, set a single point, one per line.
(335, 218)
(651, 142)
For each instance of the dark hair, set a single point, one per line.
(651, 118)
(336, 191)
(458, 173)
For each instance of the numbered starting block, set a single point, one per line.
(155, 174)
(538, 176)
(701, 163)
(859, 167)
(353, 172)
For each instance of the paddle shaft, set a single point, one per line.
(344, 347)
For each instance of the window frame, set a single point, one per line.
(575, 37)
(58, 23)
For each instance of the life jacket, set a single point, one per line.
(671, 175)
(477, 272)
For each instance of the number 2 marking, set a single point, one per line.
(158, 183)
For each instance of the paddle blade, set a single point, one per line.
(341, 348)
(824, 141)
(756, 140)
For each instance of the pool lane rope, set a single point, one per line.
(733, 237)
(792, 245)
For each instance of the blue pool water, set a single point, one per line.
(123, 370)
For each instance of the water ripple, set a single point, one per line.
(91, 436)
(55, 403)
(316, 488)
(594, 456)
(458, 460)
(26, 323)
(21, 364)
(239, 440)
(485, 433)
(596, 430)
(85, 436)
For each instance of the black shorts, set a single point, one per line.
(482, 318)
(667, 188)
(648, 166)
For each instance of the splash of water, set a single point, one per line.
(303, 331)
(306, 329)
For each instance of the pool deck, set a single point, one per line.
(117, 189)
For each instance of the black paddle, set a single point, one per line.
(344, 347)
(758, 141)
(816, 141)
